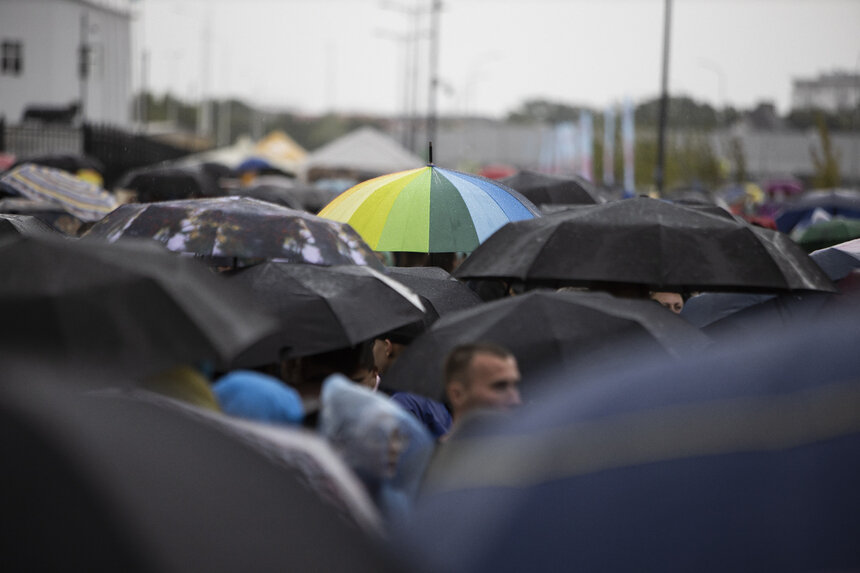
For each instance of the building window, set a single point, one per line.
(11, 58)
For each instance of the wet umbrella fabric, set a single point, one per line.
(23, 225)
(647, 242)
(542, 189)
(84, 200)
(826, 233)
(569, 330)
(323, 308)
(428, 210)
(239, 227)
(737, 459)
(119, 307)
(444, 293)
(837, 262)
(117, 484)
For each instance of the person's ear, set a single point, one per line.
(389, 348)
(455, 392)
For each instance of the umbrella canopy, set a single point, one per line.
(287, 192)
(129, 307)
(838, 262)
(444, 293)
(23, 225)
(572, 331)
(169, 183)
(845, 202)
(68, 162)
(428, 210)
(543, 189)
(84, 200)
(110, 483)
(324, 308)
(737, 459)
(826, 233)
(648, 242)
(239, 227)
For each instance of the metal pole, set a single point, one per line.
(84, 62)
(659, 171)
(434, 71)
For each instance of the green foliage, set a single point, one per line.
(544, 111)
(827, 163)
(690, 160)
(808, 118)
(683, 112)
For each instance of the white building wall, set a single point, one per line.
(51, 34)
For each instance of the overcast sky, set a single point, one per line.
(318, 55)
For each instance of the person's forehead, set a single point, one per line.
(486, 364)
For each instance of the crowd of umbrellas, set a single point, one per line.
(156, 339)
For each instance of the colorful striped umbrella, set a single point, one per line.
(86, 201)
(428, 210)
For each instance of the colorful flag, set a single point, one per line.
(586, 145)
(628, 138)
(609, 147)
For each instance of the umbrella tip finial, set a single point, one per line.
(430, 152)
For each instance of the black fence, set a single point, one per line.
(118, 150)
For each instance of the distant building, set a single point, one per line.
(830, 92)
(67, 59)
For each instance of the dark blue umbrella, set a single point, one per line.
(844, 202)
(744, 459)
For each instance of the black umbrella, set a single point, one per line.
(241, 227)
(546, 330)
(134, 308)
(23, 225)
(838, 262)
(106, 483)
(170, 183)
(646, 242)
(324, 308)
(542, 189)
(288, 192)
(444, 293)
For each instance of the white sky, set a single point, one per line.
(317, 55)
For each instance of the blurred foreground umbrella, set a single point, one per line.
(109, 483)
(545, 330)
(170, 183)
(23, 225)
(84, 200)
(128, 307)
(542, 189)
(737, 459)
(645, 242)
(324, 308)
(428, 210)
(444, 293)
(239, 227)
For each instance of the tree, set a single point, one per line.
(544, 111)
(826, 164)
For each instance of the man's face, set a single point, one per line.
(491, 382)
(671, 300)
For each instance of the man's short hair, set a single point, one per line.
(458, 360)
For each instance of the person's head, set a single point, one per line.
(671, 300)
(365, 373)
(481, 376)
(389, 346)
